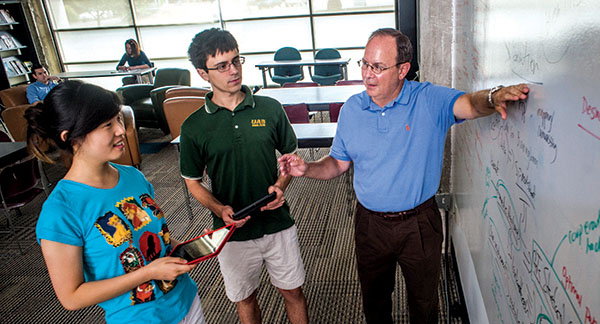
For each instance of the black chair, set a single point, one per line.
(4, 137)
(19, 184)
(146, 99)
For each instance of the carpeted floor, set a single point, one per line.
(152, 148)
(323, 215)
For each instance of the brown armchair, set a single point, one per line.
(177, 109)
(132, 155)
(15, 103)
(186, 92)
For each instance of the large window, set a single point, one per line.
(90, 34)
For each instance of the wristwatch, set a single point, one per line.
(492, 90)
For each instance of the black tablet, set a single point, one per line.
(254, 206)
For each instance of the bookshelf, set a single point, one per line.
(16, 45)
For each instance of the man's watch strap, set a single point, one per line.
(492, 91)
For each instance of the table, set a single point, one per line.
(108, 73)
(316, 98)
(266, 65)
(11, 152)
(315, 134)
(309, 135)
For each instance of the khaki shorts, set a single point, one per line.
(241, 263)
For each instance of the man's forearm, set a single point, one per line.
(204, 196)
(325, 169)
(283, 181)
(479, 102)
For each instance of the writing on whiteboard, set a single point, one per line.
(593, 113)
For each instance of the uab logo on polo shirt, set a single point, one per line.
(258, 122)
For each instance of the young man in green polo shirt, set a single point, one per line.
(234, 137)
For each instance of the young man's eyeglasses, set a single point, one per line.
(375, 68)
(225, 66)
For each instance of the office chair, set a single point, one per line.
(177, 109)
(334, 111)
(330, 73)
(185, 92)
(19, 185)
(15, 101)
(297, 114)
(287, 74)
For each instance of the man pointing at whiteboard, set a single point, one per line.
(394, 133)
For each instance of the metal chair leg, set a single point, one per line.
(11, 225)
(44, 178)
(188, 203)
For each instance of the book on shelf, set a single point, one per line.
(8, 41)
(10, 72)
(5, 17)
(14, 66)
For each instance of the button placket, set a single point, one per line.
(382, 122)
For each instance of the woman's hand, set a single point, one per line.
(167, 268)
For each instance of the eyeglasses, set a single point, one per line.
(225, 66)
(375, 68)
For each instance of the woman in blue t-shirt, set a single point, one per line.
(135, 58)
(103, 237)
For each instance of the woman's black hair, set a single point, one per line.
(72, 106)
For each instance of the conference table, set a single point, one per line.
(316, 98)
(138, 73)
(264, 66)
(314, 135)
(311, 135)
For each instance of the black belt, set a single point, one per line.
(402, 215)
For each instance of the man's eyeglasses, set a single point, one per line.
(375, 68)
(225, 66)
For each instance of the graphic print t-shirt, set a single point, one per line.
(120, 230)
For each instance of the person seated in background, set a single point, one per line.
(135, 59)
(44, 82)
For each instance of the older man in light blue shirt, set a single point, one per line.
(394, 133)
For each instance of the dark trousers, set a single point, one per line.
(415, 243)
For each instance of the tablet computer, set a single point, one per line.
(255, 206)
(205, 246)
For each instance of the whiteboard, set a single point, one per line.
(527, 189)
